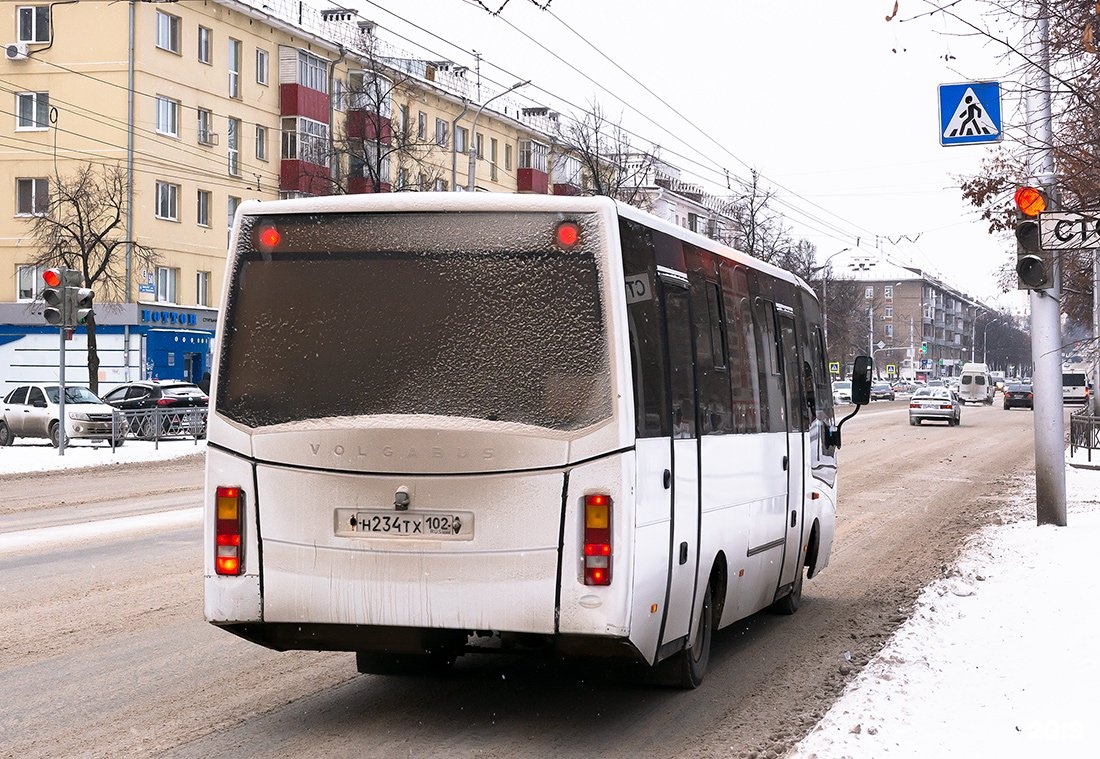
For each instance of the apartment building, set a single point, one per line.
(204, 105)
(910, 309)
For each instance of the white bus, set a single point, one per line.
(442, 422)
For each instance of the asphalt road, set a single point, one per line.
(104, 651)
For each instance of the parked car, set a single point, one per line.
(881, 391)
(178, 407)
(35, 411)
(842, 391)
(1018, 394)
(937, 404)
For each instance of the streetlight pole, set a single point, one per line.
(473, 131)
(825, 291)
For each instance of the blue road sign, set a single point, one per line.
(970, 113)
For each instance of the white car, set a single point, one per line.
(34, 410)
(842, 392)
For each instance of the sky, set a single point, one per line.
(835, 106)
(997, 658)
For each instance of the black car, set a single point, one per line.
(1018, 394)
(179, 407)
(881, 391)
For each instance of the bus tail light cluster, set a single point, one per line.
(228, 526)
(597, 540)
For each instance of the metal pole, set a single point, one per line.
(61, 436)
(472, 169)
(1095, 331)
(1046, 338)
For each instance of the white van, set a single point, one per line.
(975, 384)
(1075, 388)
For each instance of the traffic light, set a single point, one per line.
(79, 299)
(924, 349)
(54, 297)
(1034, 266)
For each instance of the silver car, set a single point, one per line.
(935, 403)
(34, 411)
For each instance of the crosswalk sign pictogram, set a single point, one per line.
(970, 113)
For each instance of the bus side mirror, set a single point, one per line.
(861, 396)
(861, 380)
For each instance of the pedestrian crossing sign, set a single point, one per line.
(970, 113)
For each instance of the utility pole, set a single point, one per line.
(1046, 338)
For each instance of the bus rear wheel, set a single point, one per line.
(691, 663)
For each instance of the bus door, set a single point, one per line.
(797, 414)
(684, 533)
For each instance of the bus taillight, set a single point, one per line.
(597, 540)
(228, 524)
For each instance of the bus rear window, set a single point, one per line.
(473, 315)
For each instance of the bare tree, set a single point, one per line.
(611, 165)
(761, 230)
(83, 228)
(375, 149)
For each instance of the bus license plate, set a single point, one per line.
(422, 525)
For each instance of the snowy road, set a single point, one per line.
(105, 651)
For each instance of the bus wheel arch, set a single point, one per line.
(812, 547)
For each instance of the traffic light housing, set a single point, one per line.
(923, 348)
(53, 295)
(1034, 266)
(79, 299)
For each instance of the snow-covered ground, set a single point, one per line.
(997, 659)
(33, 455)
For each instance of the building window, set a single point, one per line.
(403, 121)
(233, 144)
(29, 278)
(166, 284)
(206, 127)
(421, 125)
(231, 210)
(402, 178)
(441, 133)
(235, 47)
(533, 155)
(34, 23)
(168, 116)
(312, 72)
(32, 110)
(337, 94)
(507, 157)
(205, 37)
(888, 292)
(32, 196)
(168, 32)
(493, 158)
(441, 185)
(460, 139)
(168, 196)
(202, 288)
(869, 292)
(305, 140)
(261, 66)
(890, 330)
(479, 145)
(261, 143)
(202, 208)
(888, 312)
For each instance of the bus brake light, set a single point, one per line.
(228, 524)
(597, 540)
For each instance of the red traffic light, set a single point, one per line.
(52, 277)
(1030, 201)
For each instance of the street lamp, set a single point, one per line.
(825, 290)
(473, 130)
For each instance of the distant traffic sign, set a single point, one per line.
(1064, 230)
(970, 113)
